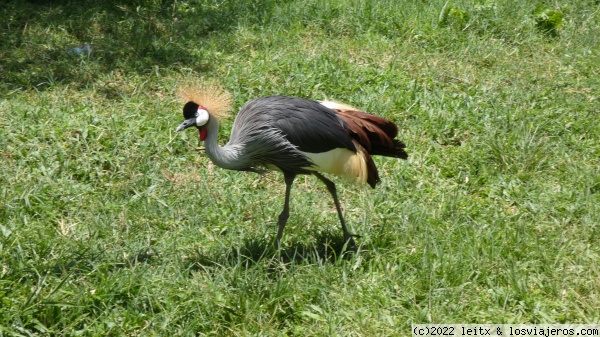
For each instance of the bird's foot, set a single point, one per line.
(348, 239)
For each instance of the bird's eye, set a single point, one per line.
(196, 114)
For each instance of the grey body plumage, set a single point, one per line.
(275, 130)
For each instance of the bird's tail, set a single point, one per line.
(397, 150)
(372, 135)
(375, 134)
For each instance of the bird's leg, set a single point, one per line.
(331, 188)
(289, 180)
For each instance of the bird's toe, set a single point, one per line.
(348, 239)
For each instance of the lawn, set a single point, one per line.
(112, 224)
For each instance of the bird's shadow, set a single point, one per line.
(326, 248)
(322, 248)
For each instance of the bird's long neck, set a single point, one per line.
(228, 157)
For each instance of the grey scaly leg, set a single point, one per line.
(331, 187)
(289, 180)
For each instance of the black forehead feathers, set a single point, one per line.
(190, 109)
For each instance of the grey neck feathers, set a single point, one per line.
(229, 156)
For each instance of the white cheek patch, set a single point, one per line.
(201, 117)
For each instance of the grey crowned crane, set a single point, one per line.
(295, 136)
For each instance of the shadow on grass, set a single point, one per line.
(124, 35)
(322, 247)
(328, 248)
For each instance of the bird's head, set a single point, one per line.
(202, 98)
(194, 115)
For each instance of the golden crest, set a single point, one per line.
(213, 97)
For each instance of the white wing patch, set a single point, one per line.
(336, 105)
(344, 163)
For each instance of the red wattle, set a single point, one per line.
(202, 133)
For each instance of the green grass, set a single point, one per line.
(114, 225)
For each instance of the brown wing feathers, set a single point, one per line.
(374, 133)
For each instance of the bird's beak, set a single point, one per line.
(186, 124)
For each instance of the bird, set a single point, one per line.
(293, 135)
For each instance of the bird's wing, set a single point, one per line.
(374, 133)
(306, 124)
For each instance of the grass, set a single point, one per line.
(113, 225)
